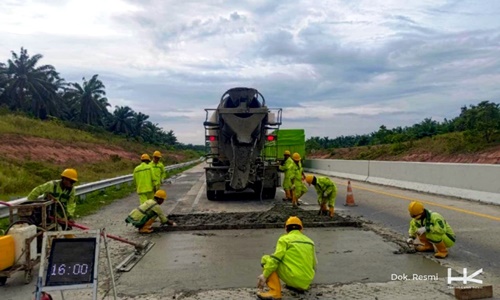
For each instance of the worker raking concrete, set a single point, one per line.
(429, 231)
(327, 193)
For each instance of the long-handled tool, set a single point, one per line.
(128, 263)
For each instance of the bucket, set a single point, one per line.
(7, 252)
(21, 232)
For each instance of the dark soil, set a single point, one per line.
(273, 218)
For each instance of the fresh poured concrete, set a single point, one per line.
(231, 259)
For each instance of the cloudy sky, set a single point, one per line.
(338, 67)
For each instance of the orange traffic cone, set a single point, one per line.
(349, 199)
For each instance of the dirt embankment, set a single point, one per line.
(14, 147)
(488, 156)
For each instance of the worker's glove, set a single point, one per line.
(409, 241)
(325, 195)
(174, 224)
(421, 230)
(261, 281)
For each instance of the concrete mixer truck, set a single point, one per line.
(235, 133)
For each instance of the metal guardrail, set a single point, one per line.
(82, 190)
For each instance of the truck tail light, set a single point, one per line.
(271, 138)
(211, 138)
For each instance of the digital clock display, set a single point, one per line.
(71, 262)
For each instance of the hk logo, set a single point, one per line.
(465, 279)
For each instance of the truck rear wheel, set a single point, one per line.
(211, 195)
(269, 193)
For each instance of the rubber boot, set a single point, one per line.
(441, 250)
(426, 247)
(274, 284)
(146, 228)
(332, 211)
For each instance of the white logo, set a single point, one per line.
(465, 279)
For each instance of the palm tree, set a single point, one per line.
(138, 123)
(31, 88)
(121, 120)
(89, 100)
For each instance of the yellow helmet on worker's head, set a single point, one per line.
(157, 154)
(161, 194)
(145, 157)
(309, 179)
(287, 152)
(415, 209)
(70, 174)
(293, 220)
(296, 156)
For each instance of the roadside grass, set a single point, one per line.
(93, 202)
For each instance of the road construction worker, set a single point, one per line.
(144, 179)
(429, 231)
(144, 216)
(298, 186)
(327, 193)
(288, 168)
(63, 191)
(294, 262)
(158, 169)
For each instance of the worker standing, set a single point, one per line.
(434, 233)
(298, 186)
(327, 193)
(63, 191)
(144, 179)
(144, 216)
(294, 262)
(158, 169)
(288, 168)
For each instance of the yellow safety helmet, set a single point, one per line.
(415, 208)
(294, 221)
(70, 174)
(309, 179)
(296, 156)
(287, 152)
(145, 157)
(161, 194)
(157, 154)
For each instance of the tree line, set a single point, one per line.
(40, 91)
(481, 120)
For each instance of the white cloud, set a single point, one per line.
(335, 67)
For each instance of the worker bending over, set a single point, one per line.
(327, 193)
(434, 233)
(144, 216)
(294, 262)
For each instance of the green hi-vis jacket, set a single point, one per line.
(437, 229)
(325, 185)
(300, 186)
(149, 209)
(294, 260)
(288, 167)
(144, 179)
(158, 171)
(66, 197)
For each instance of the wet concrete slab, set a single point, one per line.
(231, 259)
